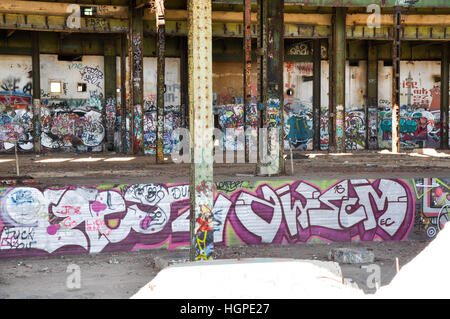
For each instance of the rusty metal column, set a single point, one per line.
(261, 80)
(272, 20)
(339, 52)
(247, 68)
(200, 106)
(136, 38)
(110, 92)
(184, 108)
(396, 54)
(316, 93)
(160, 82)
(123, 92)
(372, 97)
(444, 96)
(36, 107)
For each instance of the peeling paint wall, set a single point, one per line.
(105, 218)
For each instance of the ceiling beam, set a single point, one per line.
(59, 9)
(354, 3)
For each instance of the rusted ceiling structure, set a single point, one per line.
(270, 23)
(425, 20)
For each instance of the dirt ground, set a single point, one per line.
(121, 275)
(112, 168)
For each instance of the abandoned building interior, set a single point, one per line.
(121, 78)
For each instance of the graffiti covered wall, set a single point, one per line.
(419, 104)
(172, 104)
(72, 119)
(16, 114)
(92, 219)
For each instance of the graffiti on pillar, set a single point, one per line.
(111, 116)
(372, 128)
(92, 219)
(355, 129)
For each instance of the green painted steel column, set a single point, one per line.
(36, 107)
(316, 93)
(110, 92)
(160, 80)
(271, 71)
(445, 97)
(331, 90)
(340, 44)
(396, 54)
(372, 97)
(201, 129)
(136, 39)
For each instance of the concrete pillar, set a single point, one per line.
(201, 129)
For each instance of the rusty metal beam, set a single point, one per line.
(58, 23)
(435, 31)
(355, 3)
(60, 9)
(201, 129)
